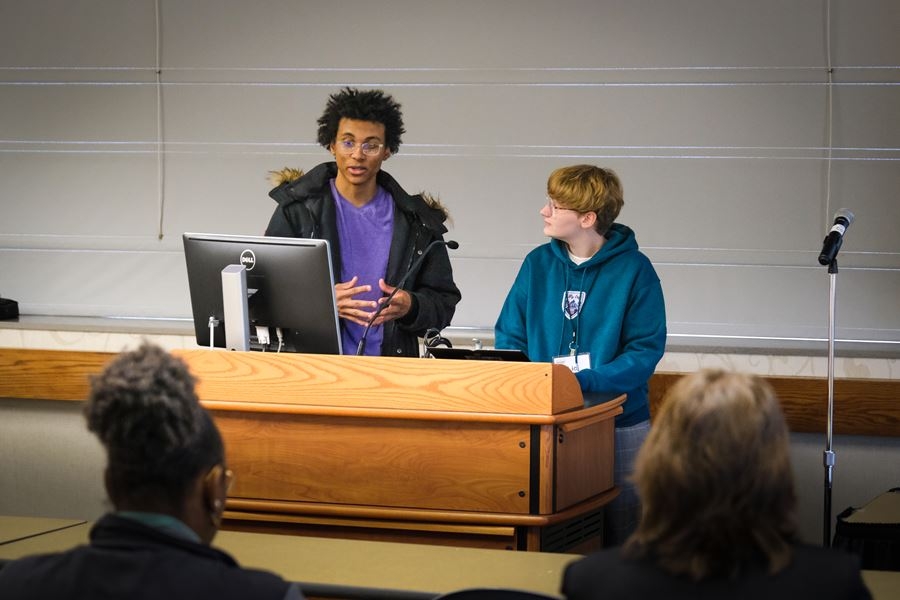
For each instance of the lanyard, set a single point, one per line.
(573, 343)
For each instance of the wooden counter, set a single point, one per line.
(480, 453)
(327, 568)
(333, 568)
(13, 528)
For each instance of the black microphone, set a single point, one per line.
(453, 245)
(833, 240)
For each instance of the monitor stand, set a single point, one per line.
(236, 311)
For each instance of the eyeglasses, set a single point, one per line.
(368, 148)
(553, 208)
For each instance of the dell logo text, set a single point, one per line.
(248, 259)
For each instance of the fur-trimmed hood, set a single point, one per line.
(291, 175)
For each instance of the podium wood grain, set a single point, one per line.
(381, 386)
(380, 462)
(331, 437)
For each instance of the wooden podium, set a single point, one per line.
(474, 453)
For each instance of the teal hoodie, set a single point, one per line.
(620, 319)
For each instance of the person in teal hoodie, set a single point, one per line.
(591, 300)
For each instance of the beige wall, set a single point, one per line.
(713, 112)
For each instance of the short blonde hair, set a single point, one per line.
(715, 479)
(587, 188)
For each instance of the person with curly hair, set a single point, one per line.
(719, 508)
(167, 479)
(376, 230)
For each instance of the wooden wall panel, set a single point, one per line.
(861, 406)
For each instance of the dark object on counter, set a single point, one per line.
(9, 309)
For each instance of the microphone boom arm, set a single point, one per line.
(361, 349)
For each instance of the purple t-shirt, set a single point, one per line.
(365, 234)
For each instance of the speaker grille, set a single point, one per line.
(570, 534)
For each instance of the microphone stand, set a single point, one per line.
(831, 245)
(828, 455)
(361, 348)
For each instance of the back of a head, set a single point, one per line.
(157, 436)
(715, 479)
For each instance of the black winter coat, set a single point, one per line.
(814, 573)
(306, 210)
(128, 559)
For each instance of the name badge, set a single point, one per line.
(575, 363)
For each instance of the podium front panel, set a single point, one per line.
(398, 463)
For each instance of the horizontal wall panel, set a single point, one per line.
(604, 116)
(248, 115)
(871, 189)
(50, 34)
(702, 299)
(864, 32)
(77, 113)
(725, 299)
(482, 118)
(867, 117)
(755, 208)
(80, 194)
(104, 283)
(219, 194)
(476, 33)
(765, 301)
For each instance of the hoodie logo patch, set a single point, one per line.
(572, 303)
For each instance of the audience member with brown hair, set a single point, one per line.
(167, 479)
(719, 510)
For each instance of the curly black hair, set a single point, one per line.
(158, 437)
(362, 105)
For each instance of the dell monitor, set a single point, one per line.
(275, 293)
